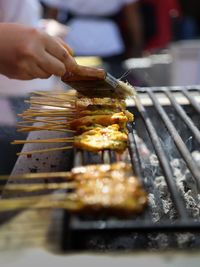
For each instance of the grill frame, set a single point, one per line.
(143, 223)
(65, 225)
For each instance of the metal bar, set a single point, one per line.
(144, 226)
(192, 100)
(106, 157)
(163, 160)
(135, 159)
(136, 165)
(183, 115)
(171, 88)
(78, 158)
(177, 139)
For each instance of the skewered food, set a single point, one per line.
(112, 195)
(96, 188)
(118, 170)
(104, 120)
(109, 187)
(85, 102)
(90, 119)
(101, 138)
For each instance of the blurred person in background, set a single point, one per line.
(190, 23)
(159, 20)
(110, 29)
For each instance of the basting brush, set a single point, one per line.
(98, 83)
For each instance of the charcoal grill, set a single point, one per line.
(164, 149)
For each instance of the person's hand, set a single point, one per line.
(27, 53)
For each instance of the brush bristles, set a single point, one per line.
(126, 89)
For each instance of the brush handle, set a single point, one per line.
(83, 73)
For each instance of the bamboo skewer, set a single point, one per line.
(42, 175)
(28, 188)
(48, 113)
(53, 140)
(43, 121)
(29, 129)
(48, 104)
(53, 126)
(44, 150)
(60, 96)
(41, 202)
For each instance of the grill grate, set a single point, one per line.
(181, 220)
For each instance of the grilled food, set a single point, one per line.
(109, 188)
(101, 138)
(84, 102)
(117, 118)
(91, 120)
(98, 188)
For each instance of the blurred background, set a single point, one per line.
(145, 42)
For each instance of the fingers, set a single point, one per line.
(38, 72)
(54, 48)
(51, 65)
(59, 55)
(32, 72)
(57, 48)
(61, 52)
(66, 46)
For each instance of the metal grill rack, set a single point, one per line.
(182, 219)
(167, 124)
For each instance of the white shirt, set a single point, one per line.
(89, 36)
(89, 7)
(27, 12)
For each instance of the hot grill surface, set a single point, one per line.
(165, 154)
(164, 149)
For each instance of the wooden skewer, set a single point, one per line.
(60, 96)
(43, 114)
(53, 108)
(44, 150)
(54, 98)
(56, 118)
(44, 121)
(53, 140)
(53, 126)
(38, 187)
(40, 202)
(38, 113)
(46, 110)
(28, 129)
(42, 175)
(49, 103)
(49, 128)
(35, 112)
